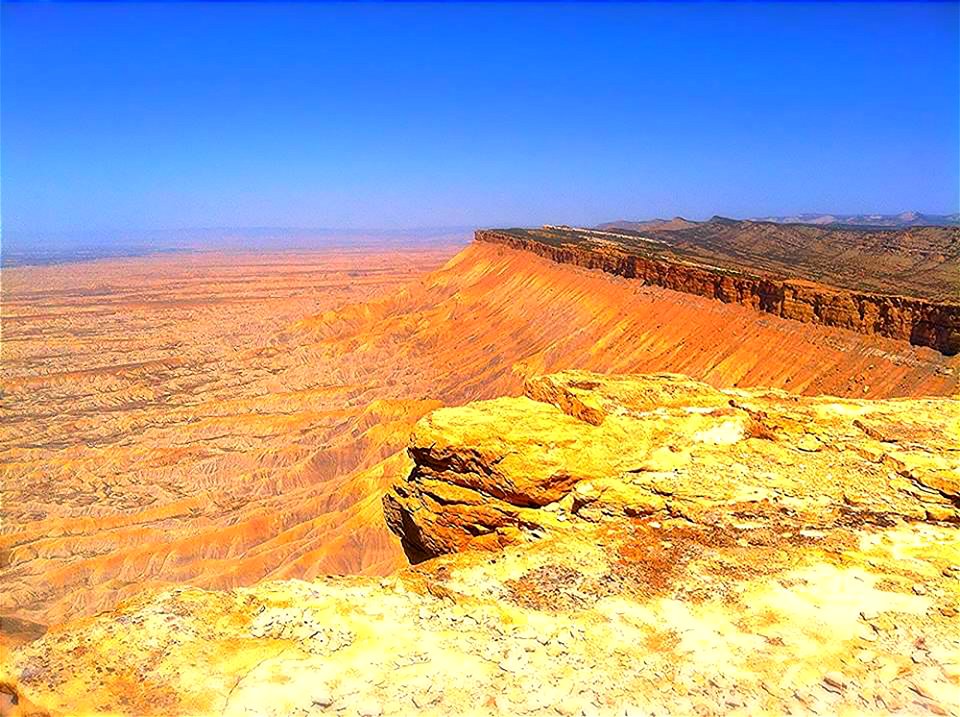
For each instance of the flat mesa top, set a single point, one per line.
(920, 261)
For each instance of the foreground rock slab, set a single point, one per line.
(580, 447)
(600, 545)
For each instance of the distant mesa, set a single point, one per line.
(899, 282)
(662, 224)
(904, 219)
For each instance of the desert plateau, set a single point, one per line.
(479, 359)
(205, 433)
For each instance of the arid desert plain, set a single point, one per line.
(226, 421)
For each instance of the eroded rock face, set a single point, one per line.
(587, 446)
(648, 544)
(921, 321)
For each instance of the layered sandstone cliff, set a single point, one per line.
(605, 545)
(921, 321)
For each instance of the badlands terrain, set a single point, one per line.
(192, 443)
(634, 544)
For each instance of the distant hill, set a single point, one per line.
(920, 260)
(659, 224)
(904, 219)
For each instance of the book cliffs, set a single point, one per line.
(922, 322)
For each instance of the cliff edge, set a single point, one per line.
(600, 545)
(709, 263)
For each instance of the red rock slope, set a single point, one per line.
(729, 261)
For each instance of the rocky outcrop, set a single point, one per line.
(922, 322)
(661, 547)
(582, 445)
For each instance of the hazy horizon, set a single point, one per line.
(24, 247)
(38, 248)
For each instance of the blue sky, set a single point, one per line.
(134, 116)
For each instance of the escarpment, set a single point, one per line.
(744, 279)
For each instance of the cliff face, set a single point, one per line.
(648, 545)
(920, 321)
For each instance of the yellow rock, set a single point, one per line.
(601, 544)
(665, 442)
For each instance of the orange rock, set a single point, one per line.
(229, 419)
(742, 262)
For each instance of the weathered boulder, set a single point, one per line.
(590, 445)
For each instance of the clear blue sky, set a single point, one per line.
(165, 116)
